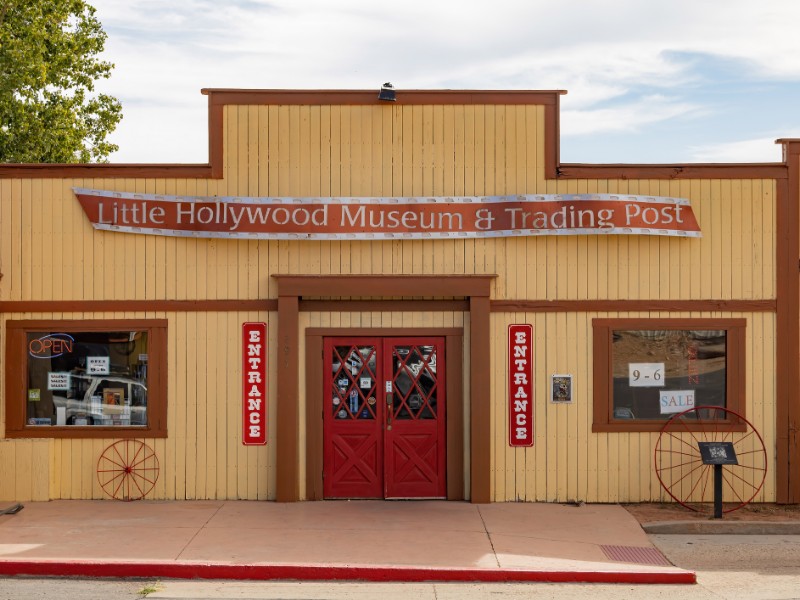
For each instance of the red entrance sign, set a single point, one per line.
(388, 218)
(520, 385)
(254, 384)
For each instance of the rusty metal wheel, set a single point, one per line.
(127, 470)
(680, 468)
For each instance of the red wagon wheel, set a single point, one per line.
(127, 470)
(680, 468)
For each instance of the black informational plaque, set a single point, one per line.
(718, 453)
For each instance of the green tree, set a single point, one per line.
(49, 63)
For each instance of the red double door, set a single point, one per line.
(384, 418)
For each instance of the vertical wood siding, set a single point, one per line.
(203, 457)
(568, 461)
(48, 251)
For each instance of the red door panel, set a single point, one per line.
(415, 431)
(380, 443)
(352, 421)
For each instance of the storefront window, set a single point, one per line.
(648, 370)
(78, 376)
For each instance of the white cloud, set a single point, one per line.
(161, 134)
(755, 150)
(627, 117)
(608, 54)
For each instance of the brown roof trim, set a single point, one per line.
(791, 147)
(339, 97)
(77, 171)
(687, 171)
(552, 140)
(787, 354)
(219, 97)
(216, 144)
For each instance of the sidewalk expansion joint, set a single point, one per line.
(489, 536)
(199, 529)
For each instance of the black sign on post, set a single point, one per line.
(718, 454)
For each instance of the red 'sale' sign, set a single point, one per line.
(254, 386)
(520, 385)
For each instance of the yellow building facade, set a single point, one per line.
(581, 294)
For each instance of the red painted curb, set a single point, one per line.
(183, 570)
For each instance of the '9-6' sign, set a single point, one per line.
(646, 374)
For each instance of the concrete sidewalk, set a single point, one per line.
(355, 540)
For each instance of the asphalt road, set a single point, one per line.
(729, 567)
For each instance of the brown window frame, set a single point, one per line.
(603, 400)
(16, 373)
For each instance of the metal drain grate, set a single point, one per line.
(635, 554)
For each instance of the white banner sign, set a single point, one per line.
(388, 217)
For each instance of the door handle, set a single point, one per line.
(389, 411)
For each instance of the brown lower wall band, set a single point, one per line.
(65, 306)
(271, 305)
(634, 305)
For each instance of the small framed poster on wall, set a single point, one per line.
(561, 389)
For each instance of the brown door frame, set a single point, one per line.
(454, 395)
(293, 288)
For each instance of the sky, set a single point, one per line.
(682, 81)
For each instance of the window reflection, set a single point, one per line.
(414, 373)
(354, 394)
(87, 378)
(658, 373)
